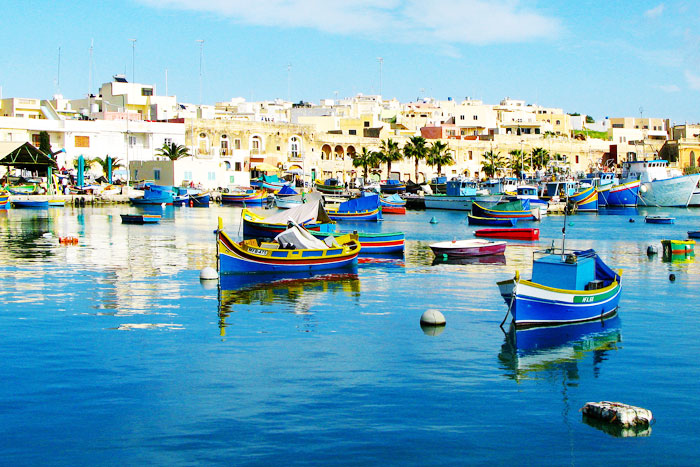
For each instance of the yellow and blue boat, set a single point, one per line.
(294, 250)
(249, 197)
(5, 200)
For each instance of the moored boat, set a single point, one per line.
(513, 234)
(694, 234)
(586, 199)
(30, 204)
(476, 220)
(364, 208)
(140, 218)
(5, 200)
(659, 220)
(249, 197)
(154, 195)
(660, 185)
(293, 250)
(464, 248)
(566, 287)
(392, 204)
(519, 209)
(678, 247)
(330, 186)
(392, 186)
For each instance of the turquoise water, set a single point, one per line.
(113, 352)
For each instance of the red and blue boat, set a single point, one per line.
(392, 204)
(293, 251)
(140, 218)
(248, 197)
(619, 195)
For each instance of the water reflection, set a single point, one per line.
(296, 294)
(490, 259)
(546, 351)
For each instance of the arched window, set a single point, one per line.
(227, 165)
(224, 146)
(294, 147)
(203, 144)
(256, 145)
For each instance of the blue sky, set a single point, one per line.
(599, 58)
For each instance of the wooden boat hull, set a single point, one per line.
(152, 201)
(372, 215)
(5, 201)
(513, 234)
(257, 198)
(140, 218)
(393, 209)
(624, 194)
(694, 234)
(507, 222)
(372, 243)
(330, 189)
(537, 305)
(586, 200)
(240, 258)
(30, 204)
(678, 247)
(391, 189)
(480, 211)
(200, 200)
(659, 220)
(466, 248)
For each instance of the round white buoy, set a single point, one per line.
(208, 285)
(432, 318)
(208, 274)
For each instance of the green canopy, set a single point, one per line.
(25, 156)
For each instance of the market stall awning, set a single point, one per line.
(24, 156)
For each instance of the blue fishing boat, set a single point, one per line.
(659, 220)
(200, 200)
(392, 186)
(330, 186)
(694, 234)
(566, 287)
(586, 199)
(293, 250)
(519, 209)
(505, 222)
(154, 194)
(364, 208)
(392, 204)
(30, 204)
(140, 218)
(624, 194)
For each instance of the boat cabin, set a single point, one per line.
(526, 192)
(648, 171)
(561, 188)
(568, 272)
(461, 187)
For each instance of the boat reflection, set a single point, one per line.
(384, 261)
(618, 211)
(296, 293)
(539, 352)
(490, 259)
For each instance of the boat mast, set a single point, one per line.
(563, 229)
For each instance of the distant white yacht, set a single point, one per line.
(660, 185)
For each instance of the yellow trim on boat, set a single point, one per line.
(577, 292)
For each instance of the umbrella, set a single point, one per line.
(265, 167)
(295, 172)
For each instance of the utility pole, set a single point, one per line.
(201, 55)
(133, 60)
(381, 62)
(289, 74)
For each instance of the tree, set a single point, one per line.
(439, 154)
(540, 158)
(492, 163)
(416, 148)
(174, 151)
(389, 152)
(365, 159)
(589, 119)
(518, 162)
(45, 143)
(116, 163)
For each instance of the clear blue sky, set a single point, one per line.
(603, 58)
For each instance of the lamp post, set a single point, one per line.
(133, 60)
(201, 55)
(381, 62)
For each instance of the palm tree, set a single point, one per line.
(416, 148)
(492, 163)
(365, 159)
(116, 163)
(540, 158)
(439, 154)
(173, 151)
(518, 164)
(389, 152)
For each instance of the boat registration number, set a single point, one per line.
(257, 251)
(586, 299)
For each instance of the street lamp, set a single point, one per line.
(201, 54)
(133, 60)
(381, 62)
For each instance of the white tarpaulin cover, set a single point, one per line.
(300, 239)
(311, 211)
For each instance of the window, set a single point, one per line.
(236, 143)
(146, 91)
(168, 141)
(294, 147)
(227, 165)
(156, 174)
(476, 117)
(558, 122)
(577, 159)
(188, 175)
(35, 140)
(470, 155)
(230, 178)
(237, 167)
(82, 141)
(132, 141)
(461, 117)
(278, 148)
(352, 132)
(366, 124)
(211, 176)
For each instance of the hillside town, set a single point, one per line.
(224, 145)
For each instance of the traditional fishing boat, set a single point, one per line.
(30, 204)
(505, 222)
(513, 234)
(314, 218)
(140, 218)
(330, 186)
(678, 247)
(28, 189)
(659, 220)
(659, 184)
(623, 194)
(463, 248)
(694, 234)
(364, 208)
(392, 186)
(586, 199)
(248, 197)
(57, 203)
(271, 183)
(153, 195)
(392, 204)
(5, 200)
(294, 250)
(518, 209)
(200, 200)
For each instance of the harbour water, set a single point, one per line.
(114, 353)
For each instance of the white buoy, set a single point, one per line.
(208, 274)
(432, 318)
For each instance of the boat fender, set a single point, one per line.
(652, 250)
(618, 413)
(672, 277)
(191, 203)
(631, 220)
